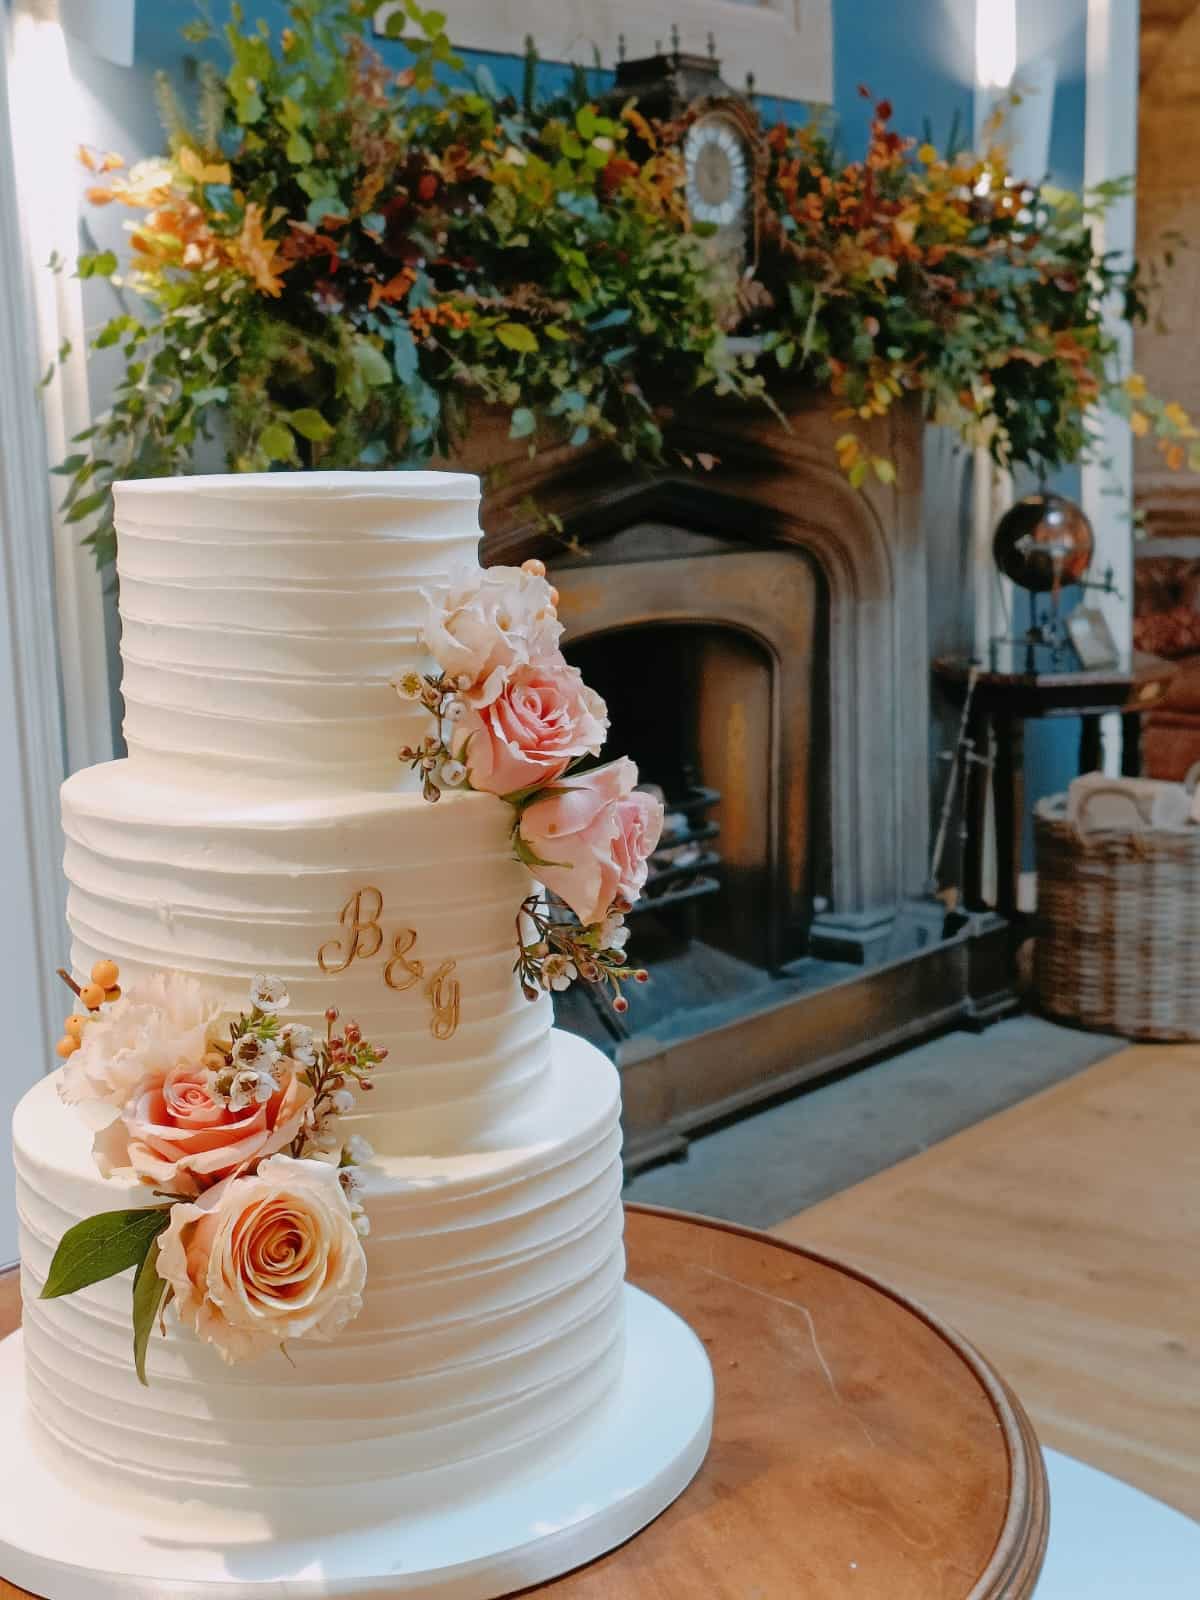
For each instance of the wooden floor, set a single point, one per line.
(1063, 1238)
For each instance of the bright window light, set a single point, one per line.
(995, 43)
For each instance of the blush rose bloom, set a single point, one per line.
(159, 1020)
(485, 627)
(593, 835)
(260, 1260)
(181, 1137)
(544, 718)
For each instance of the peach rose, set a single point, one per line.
(587, 842)
(159, 1020)
(179, 1135)
(484, 627)
(260, 1260)
(544, 718)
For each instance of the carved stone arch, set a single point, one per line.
(775, 484)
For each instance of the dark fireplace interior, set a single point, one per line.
(726, 721)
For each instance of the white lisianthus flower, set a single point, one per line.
(613, 934)
(342, 1101)
(409, 685)
(253, 1052)
(269, 993)
(299, 1042)
(558, 973)
(359, 1149)
(252, 1086)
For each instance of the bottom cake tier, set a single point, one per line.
(492, 1327)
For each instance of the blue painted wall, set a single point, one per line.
(919, 53)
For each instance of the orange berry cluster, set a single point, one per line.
(103, 986)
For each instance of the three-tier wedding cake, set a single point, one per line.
(380, 1339)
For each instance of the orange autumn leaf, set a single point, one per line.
(1175, 455)
(394, 289)
(195, 167)
(257, 255)
(1176, 415)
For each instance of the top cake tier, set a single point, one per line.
(264, 615)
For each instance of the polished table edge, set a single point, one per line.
(1020, 1547)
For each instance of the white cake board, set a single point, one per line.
(639, 1451)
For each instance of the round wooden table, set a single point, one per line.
(860, 1448)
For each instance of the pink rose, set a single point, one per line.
(263, 1259)
(544, 718)
(485, 627)
(591, 837)
(180, 1135)
(639, 828)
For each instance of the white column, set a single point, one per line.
(1110, 151)
(31, 731)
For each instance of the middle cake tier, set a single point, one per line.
(400, 913)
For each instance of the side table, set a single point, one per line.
(1002, 702)
(861, 1449)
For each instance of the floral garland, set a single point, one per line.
(233, 1122)
(513, 719)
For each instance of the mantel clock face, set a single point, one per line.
(718, 174)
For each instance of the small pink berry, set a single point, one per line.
(641, 975)
(332, 1014)
(353, 1033)
(534, 567)
(620, 1003)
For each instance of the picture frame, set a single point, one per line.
(1093, 640)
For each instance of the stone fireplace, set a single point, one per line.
(759, 632)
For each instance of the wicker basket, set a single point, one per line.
(1118, 944)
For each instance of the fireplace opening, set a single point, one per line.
(697, 705)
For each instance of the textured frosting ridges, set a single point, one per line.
(493, 1318)
(223, 880)
(264, 615)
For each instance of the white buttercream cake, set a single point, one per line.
(262, 618)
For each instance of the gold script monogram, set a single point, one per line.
(362, 938)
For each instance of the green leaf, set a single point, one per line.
(298, 150)
(101, 1246)
(523, 423)
(276, 442)
(527, 857)
(84, 508)
(516, 336)
(310, 424)
(785, 353)
(148, 1292)
(371, 363)
(64, 469)
(100, 265)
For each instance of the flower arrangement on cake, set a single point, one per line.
(513, 718)
(233, 1123)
